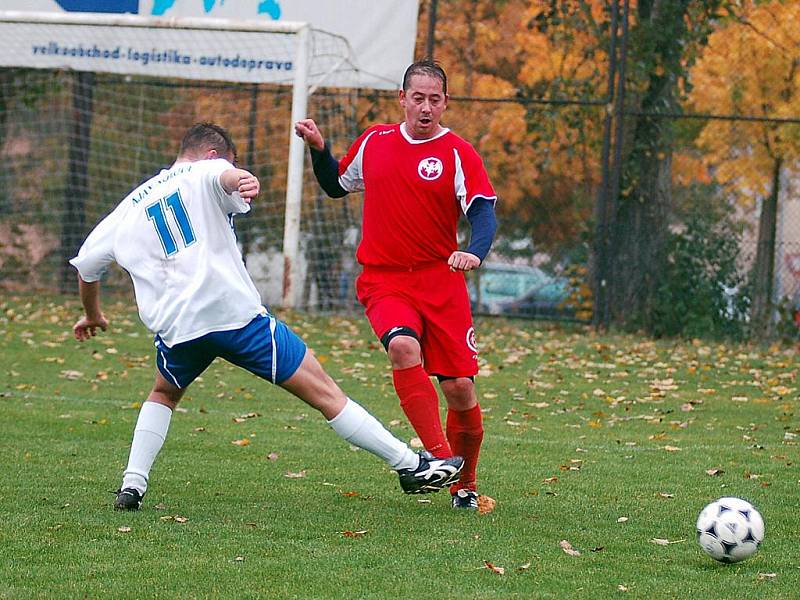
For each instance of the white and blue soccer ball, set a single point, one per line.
(730, 529)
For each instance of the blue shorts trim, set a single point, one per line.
(265, 346)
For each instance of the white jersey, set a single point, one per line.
(174, 236)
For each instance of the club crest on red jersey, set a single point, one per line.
(430, 168)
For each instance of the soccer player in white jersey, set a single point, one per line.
(174, 235)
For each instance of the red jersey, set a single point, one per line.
(414, 192)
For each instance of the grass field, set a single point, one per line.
(606, 442)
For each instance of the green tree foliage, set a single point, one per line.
(700, 292)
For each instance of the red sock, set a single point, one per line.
(420, 402)
(465, 434)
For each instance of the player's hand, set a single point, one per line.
(308, 130)
(87, 328)
(463, 261)
(249, 187)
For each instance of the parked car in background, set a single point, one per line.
(505, 289)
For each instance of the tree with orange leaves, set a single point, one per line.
(751, 66)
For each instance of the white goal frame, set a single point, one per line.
(300, 94)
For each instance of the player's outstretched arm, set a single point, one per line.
(239, 180)
(326, 167)
(308, 130)
(87, 326)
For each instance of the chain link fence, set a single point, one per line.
(74, 144)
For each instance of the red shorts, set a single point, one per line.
(434, 303)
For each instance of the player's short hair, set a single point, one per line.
(428, 68)
(207, 136)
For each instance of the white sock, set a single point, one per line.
(148, 437)
(360, 428)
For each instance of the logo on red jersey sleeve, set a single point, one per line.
(430, 168)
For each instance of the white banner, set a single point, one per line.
(243, 56)
(380, 33)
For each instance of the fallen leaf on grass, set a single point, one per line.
(353, 534)
(494, 568)
(567, 548)
(415, 442)
(664, 542)
(766, 576)
(672, 449)
(295, 475)
(486, 504)
(622, 520)
(175, 518)
(714, 472)
(71, 374)
(622, 588)
(239, 559)
(524, 567)
(550, 480)
(272, 456)
(124, 529)
(665, 495)
(242, 442)
(243, 418)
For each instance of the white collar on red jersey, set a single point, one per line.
(411, 140)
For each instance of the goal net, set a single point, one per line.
(90, 106)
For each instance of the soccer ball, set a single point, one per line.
(730, 529)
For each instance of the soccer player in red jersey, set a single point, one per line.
(418, 177)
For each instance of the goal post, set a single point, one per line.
(146, 79)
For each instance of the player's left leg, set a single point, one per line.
(465, 434)
(419, 473)
(270, 349)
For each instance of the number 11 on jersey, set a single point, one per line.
(156, 212)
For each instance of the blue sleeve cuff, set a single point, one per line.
(482, 219)
(326, 170)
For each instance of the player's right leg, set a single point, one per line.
(418, 397)
(398, 325)
(148, 438)
(177, 367)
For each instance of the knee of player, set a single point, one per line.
(460, 390)
(404, 351)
